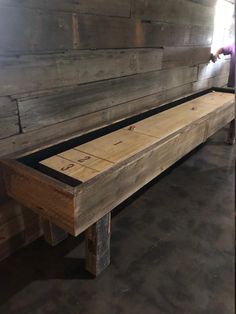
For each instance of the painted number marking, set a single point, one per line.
(67, 167)
(84, 159)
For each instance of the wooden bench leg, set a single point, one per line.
(231, 134)
(97, 239)
(53, 234)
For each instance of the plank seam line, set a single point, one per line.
(149, 135)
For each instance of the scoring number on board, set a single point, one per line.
(84, 159)
(67, 167)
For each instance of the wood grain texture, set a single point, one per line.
(185, 56)
(82, 31)
(48, 71)
(9, 120)
(97, 246)
(19, 145)
(51, 135)
(177, 12)
(98, 7)
(42, 55)
(47, 197)
(179, 130)
(39, 112)
(136, 173)
(222, 118)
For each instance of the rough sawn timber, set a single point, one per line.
(119, 163)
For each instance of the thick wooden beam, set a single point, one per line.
(231, 134)
(98, 245)
(53, 234)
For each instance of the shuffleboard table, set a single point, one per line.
(75, 185)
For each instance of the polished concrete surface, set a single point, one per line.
(172, 251)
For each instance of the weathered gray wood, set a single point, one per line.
(39, 112)
(18, 145)
(231, 134)
(9, 124)
(44, 111)
(40, 72)
(39, 24)
(185, 56)
(177, 11)
(130, 33)
(52, 134)
(83, 207)
(137, 171)
(201, 35)
(83, 31)
(97, 239)
(103, 7)
(49, 198)
(53, 235)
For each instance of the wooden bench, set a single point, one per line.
(75, 189)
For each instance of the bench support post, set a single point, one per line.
(231, 134)
(97, 239)
(53, 235)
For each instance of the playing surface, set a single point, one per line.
(88, 160)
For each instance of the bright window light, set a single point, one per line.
(223, 25)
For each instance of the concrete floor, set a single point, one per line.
(172, 251)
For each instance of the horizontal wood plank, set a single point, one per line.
(39, 112)
(160, 139)
(99, 7)
(51, 135)
(185, 56)
(78, 31)
(173, 11)
(136, 171)
(47, 197)
(42, 72)
(124, 143)
(9, 120)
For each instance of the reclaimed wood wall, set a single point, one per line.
(68, 67)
